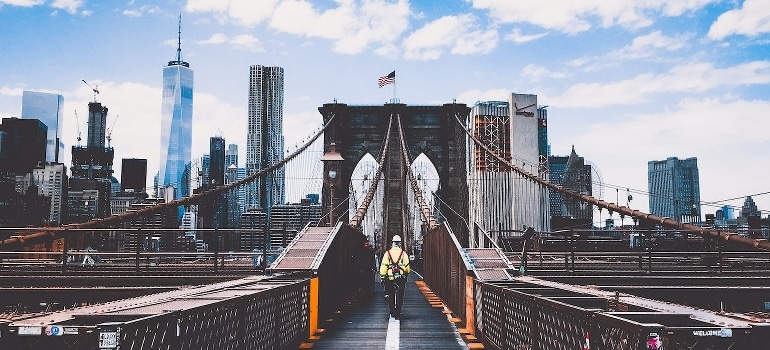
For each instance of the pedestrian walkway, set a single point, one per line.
(365, 323)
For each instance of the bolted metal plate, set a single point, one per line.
(288, 263)
(492, 274)
(483, 253)
(316, 245)
(313, 237)
(482, 264)
(296, 252)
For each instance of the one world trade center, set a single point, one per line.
(176, 126)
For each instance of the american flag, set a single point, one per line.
(387, 79)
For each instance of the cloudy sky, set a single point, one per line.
(625, 81)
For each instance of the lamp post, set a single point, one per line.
(332, 175)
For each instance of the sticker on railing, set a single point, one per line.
(108, 340)
(54, 330)
(26, 330)
(723, 333)
(654, 342)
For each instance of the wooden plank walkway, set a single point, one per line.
(365, 323)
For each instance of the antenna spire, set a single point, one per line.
(179, 41)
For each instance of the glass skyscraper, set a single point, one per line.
(674, 188)
(264, 139)
(47, 108)
(176, 124)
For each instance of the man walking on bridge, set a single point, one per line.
(394, 269)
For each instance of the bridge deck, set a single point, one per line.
(366, 324)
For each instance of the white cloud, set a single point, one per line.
(71, 6)
(217, 38)
(247, 42)
(353, 26)
(243, 41)
(449, 33)
(132, 13)
(535, 73)
(207, 5)
(697, 77)
(573, 17)
(9, 91)
(243, 12)
(752, 19)
(149, 9)
(470, 97)
(648, 45)
(22, 3)
(519, 38)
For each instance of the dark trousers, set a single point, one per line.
(395, 291)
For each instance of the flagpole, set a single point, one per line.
(394, 91)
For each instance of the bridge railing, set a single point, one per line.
(507, 317)
(271, 315)
(446, 269)
(337, 276)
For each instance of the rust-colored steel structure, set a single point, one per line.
(622, 210)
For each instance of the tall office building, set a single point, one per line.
(674, 188)
(203, 178)
(264, 139)
(133, 175)
(47, 108)
(90, 187)
(23, 144)
(51, 181)
(573, 173)
(231, 155)
(512, 129)
(176, 123)
(217, 161)
(213, 213)
(233, 173)
(749, 208)
(94, 161)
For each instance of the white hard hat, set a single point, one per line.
(396, 238)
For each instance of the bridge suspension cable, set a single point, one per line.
(622, 210)
(355, 222)
(425, 210)
(47, 234)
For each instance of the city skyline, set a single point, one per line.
(625, 83)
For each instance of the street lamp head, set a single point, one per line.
(332, 162)
(332, 155)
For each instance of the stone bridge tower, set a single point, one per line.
(432, 130)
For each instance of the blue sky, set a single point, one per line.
(625, 81)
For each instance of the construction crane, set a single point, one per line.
(77, 124)
(95, 89)
(110, 129)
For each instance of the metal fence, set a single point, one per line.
(340, 274)
(512, 315)
(266, 315)
(446, 268)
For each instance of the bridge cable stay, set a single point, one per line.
(46, 234)
(355, 221)
(622, 210)
(427, 215)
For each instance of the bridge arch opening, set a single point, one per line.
(428, 182)
(361, 180)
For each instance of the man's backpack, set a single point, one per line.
(395, 265)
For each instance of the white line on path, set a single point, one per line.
(392, 339)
